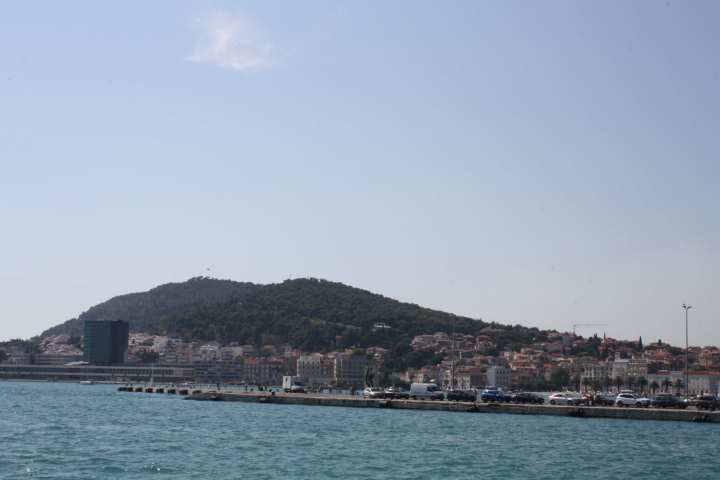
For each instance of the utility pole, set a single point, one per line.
(686, 308)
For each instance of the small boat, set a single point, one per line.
(87, 382)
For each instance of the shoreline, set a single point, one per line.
(628, 413)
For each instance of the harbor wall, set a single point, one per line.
(508, 408)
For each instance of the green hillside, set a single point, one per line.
(311, 314)
(145, 310)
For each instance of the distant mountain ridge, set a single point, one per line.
(311, 314)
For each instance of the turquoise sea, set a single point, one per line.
(68, 431)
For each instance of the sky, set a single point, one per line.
(543, 163)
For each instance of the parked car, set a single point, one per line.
(296, 389)
(460, 396)
(526, 397)
(604, 400)
(494, 395)
(426, 391)
(707, 402)
(565, 398)
(395, 392)
(632, 400)
(665, 400)
(372, 392)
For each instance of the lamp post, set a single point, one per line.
(686, 308)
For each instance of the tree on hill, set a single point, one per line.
(311, 314)
(145, 310)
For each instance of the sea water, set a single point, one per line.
(71, 431)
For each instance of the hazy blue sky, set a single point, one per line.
(542, 163)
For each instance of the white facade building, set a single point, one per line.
(497, 376)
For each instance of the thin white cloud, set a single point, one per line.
(232, 40)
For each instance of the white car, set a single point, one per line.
(631, 400)
(371, 392)
(426, 391)
(565, 398)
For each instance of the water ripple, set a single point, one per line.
(64, 431)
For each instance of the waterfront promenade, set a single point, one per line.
(467, 407)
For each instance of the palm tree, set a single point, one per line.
(607, 382)
(576, 382)
(631, 382)
(678, 386)
(619, 382)
(642, 383)
(585, 382)
(654, 386)
(666, 384)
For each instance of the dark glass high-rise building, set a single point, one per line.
(106, 342)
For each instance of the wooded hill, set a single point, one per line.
(310, 314)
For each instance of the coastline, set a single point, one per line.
(466, 407)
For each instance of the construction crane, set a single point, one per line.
(575, 325)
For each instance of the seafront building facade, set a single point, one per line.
(98, 373)
(459, 361)
(106, 342)
(607, 373)
(338, 369)
(499, 376)
(698, 382)
(596, 372)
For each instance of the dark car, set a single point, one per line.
(460, 396)
(604, 400)
(667, 401)
(396, 393)
(526, 397)
(707, 402)
(492, 395)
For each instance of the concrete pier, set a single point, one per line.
(690, 415)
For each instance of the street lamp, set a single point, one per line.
(686, 308)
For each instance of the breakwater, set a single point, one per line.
(467, 407)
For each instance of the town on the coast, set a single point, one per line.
(561, 361)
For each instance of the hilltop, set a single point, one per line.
(310, 314)
(145, 310)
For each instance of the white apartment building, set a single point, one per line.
(597, 371)
(497, 376)
(633, 367)
(698, 382)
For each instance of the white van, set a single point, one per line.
(426, 391)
